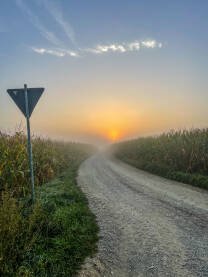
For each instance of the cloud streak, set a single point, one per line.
(55, 52)
(50, 36)
(123, 47)
(57, 14)
(58, 51)
(106, 48)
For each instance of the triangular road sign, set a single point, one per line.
(18, 96)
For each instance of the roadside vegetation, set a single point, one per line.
(177, 155)
(53, 236)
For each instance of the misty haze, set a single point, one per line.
(103, 138)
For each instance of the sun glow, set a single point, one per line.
(113, 135)
(106, 120)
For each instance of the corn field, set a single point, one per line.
(184, 152)
(49, 157)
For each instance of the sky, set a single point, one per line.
(112, 70)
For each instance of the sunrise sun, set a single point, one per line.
(113, 135)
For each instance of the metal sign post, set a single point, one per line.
(29, 144)
(26, 100)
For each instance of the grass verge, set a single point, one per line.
(196, 180)
(60, 231)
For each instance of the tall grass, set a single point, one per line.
(53, 236)
(180, 155)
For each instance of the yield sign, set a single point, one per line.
(26, 100)
(18, 96)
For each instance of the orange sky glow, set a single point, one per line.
(112, 75)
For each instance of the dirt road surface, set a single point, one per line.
(149, 226)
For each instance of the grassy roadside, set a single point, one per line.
(196, 180)
(53, 236)
(68, 233)
(178, 155)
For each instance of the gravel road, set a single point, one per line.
(149, 226)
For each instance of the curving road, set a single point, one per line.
(149, 226)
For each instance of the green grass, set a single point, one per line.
(177, 155)
(53, 236)
(69, 231)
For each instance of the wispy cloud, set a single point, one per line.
(48, 51)
(105, 48)
(60, 48)
(123, 47)
(57, 14)
(101, 49)
(50, 36)
(55, 52)
(149, 43)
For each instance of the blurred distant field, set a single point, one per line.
(53, 236)
(178, 155)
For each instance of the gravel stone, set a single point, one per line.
(149, 226)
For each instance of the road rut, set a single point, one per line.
(149, 226)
